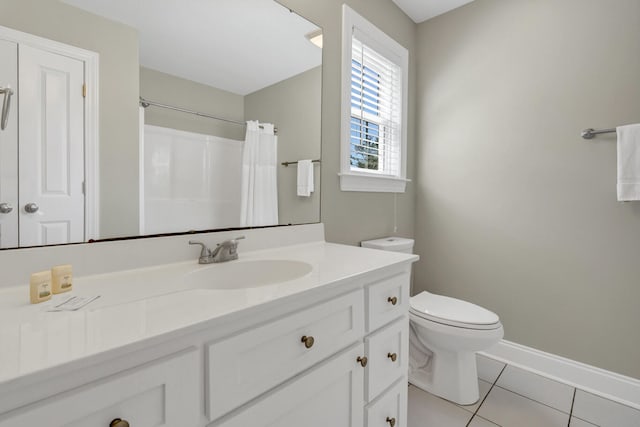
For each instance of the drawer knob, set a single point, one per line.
(392, 356)
(308, 341)
(392, 300)
(391, 421)
(118, 422)
(362, 361)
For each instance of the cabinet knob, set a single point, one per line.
(391, 421)
(392, 356)
(5, 208)
(392, 300)
(118, 422)
(362, 361)
(308, 341)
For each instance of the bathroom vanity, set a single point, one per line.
(305, 332)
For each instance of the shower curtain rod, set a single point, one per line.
(146, 103)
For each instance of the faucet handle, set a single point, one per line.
(205, 252)
(234, 246)
(231, 242)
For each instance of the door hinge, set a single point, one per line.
(84, 90)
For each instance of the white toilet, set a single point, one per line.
(445, 334)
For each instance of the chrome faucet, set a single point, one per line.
(225, 251)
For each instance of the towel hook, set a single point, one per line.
(6, 104)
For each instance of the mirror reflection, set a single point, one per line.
(147, 117)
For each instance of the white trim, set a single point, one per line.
(141, 176)
(91, 62)
(350, 181)
(616, 387)
(92, 147)
(372, 183)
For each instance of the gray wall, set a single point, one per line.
(172, 90)
(294, 106)
(515, 211)
(118, 49)
(350, 217)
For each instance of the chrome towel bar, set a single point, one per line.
(591, 133)
(285, 164)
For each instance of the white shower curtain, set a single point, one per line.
(259, 204)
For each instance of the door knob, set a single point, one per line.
(31, 208)
(5, 208)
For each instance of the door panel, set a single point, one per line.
(9, 147)
(328, 395)
(51, 149)
(162, 393)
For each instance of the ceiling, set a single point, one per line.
(238, 46)
(421, 10)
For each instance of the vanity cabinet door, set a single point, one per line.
(246, 365)
(328, 395)
(162, 393)
(387, 300)
(390, 409)
(388, 354)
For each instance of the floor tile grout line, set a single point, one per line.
(572, 403)
(485, 396)
(601, 396)
(533, 400)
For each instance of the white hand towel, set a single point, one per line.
(628, 162)
(305, 178)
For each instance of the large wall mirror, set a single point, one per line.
(167, 96)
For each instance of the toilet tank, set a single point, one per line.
(394, 244)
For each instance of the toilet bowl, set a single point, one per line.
(445, 334)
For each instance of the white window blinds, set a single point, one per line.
(376, 111)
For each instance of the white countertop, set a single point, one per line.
(138, 304)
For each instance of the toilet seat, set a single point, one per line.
(452, 312)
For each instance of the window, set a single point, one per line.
(374, 87)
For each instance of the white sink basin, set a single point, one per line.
(246, 274)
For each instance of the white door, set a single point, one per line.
(51, 148)
(9, 146)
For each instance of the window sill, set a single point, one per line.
(372, 183)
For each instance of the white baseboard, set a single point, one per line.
(616, 387)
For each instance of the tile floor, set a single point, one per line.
(512, 397)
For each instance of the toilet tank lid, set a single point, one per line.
(389, 244)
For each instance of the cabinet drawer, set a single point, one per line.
(391, 408)
(162, 393)
(246, 365)
(387, 300)
(382, 347)
(328, 395)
